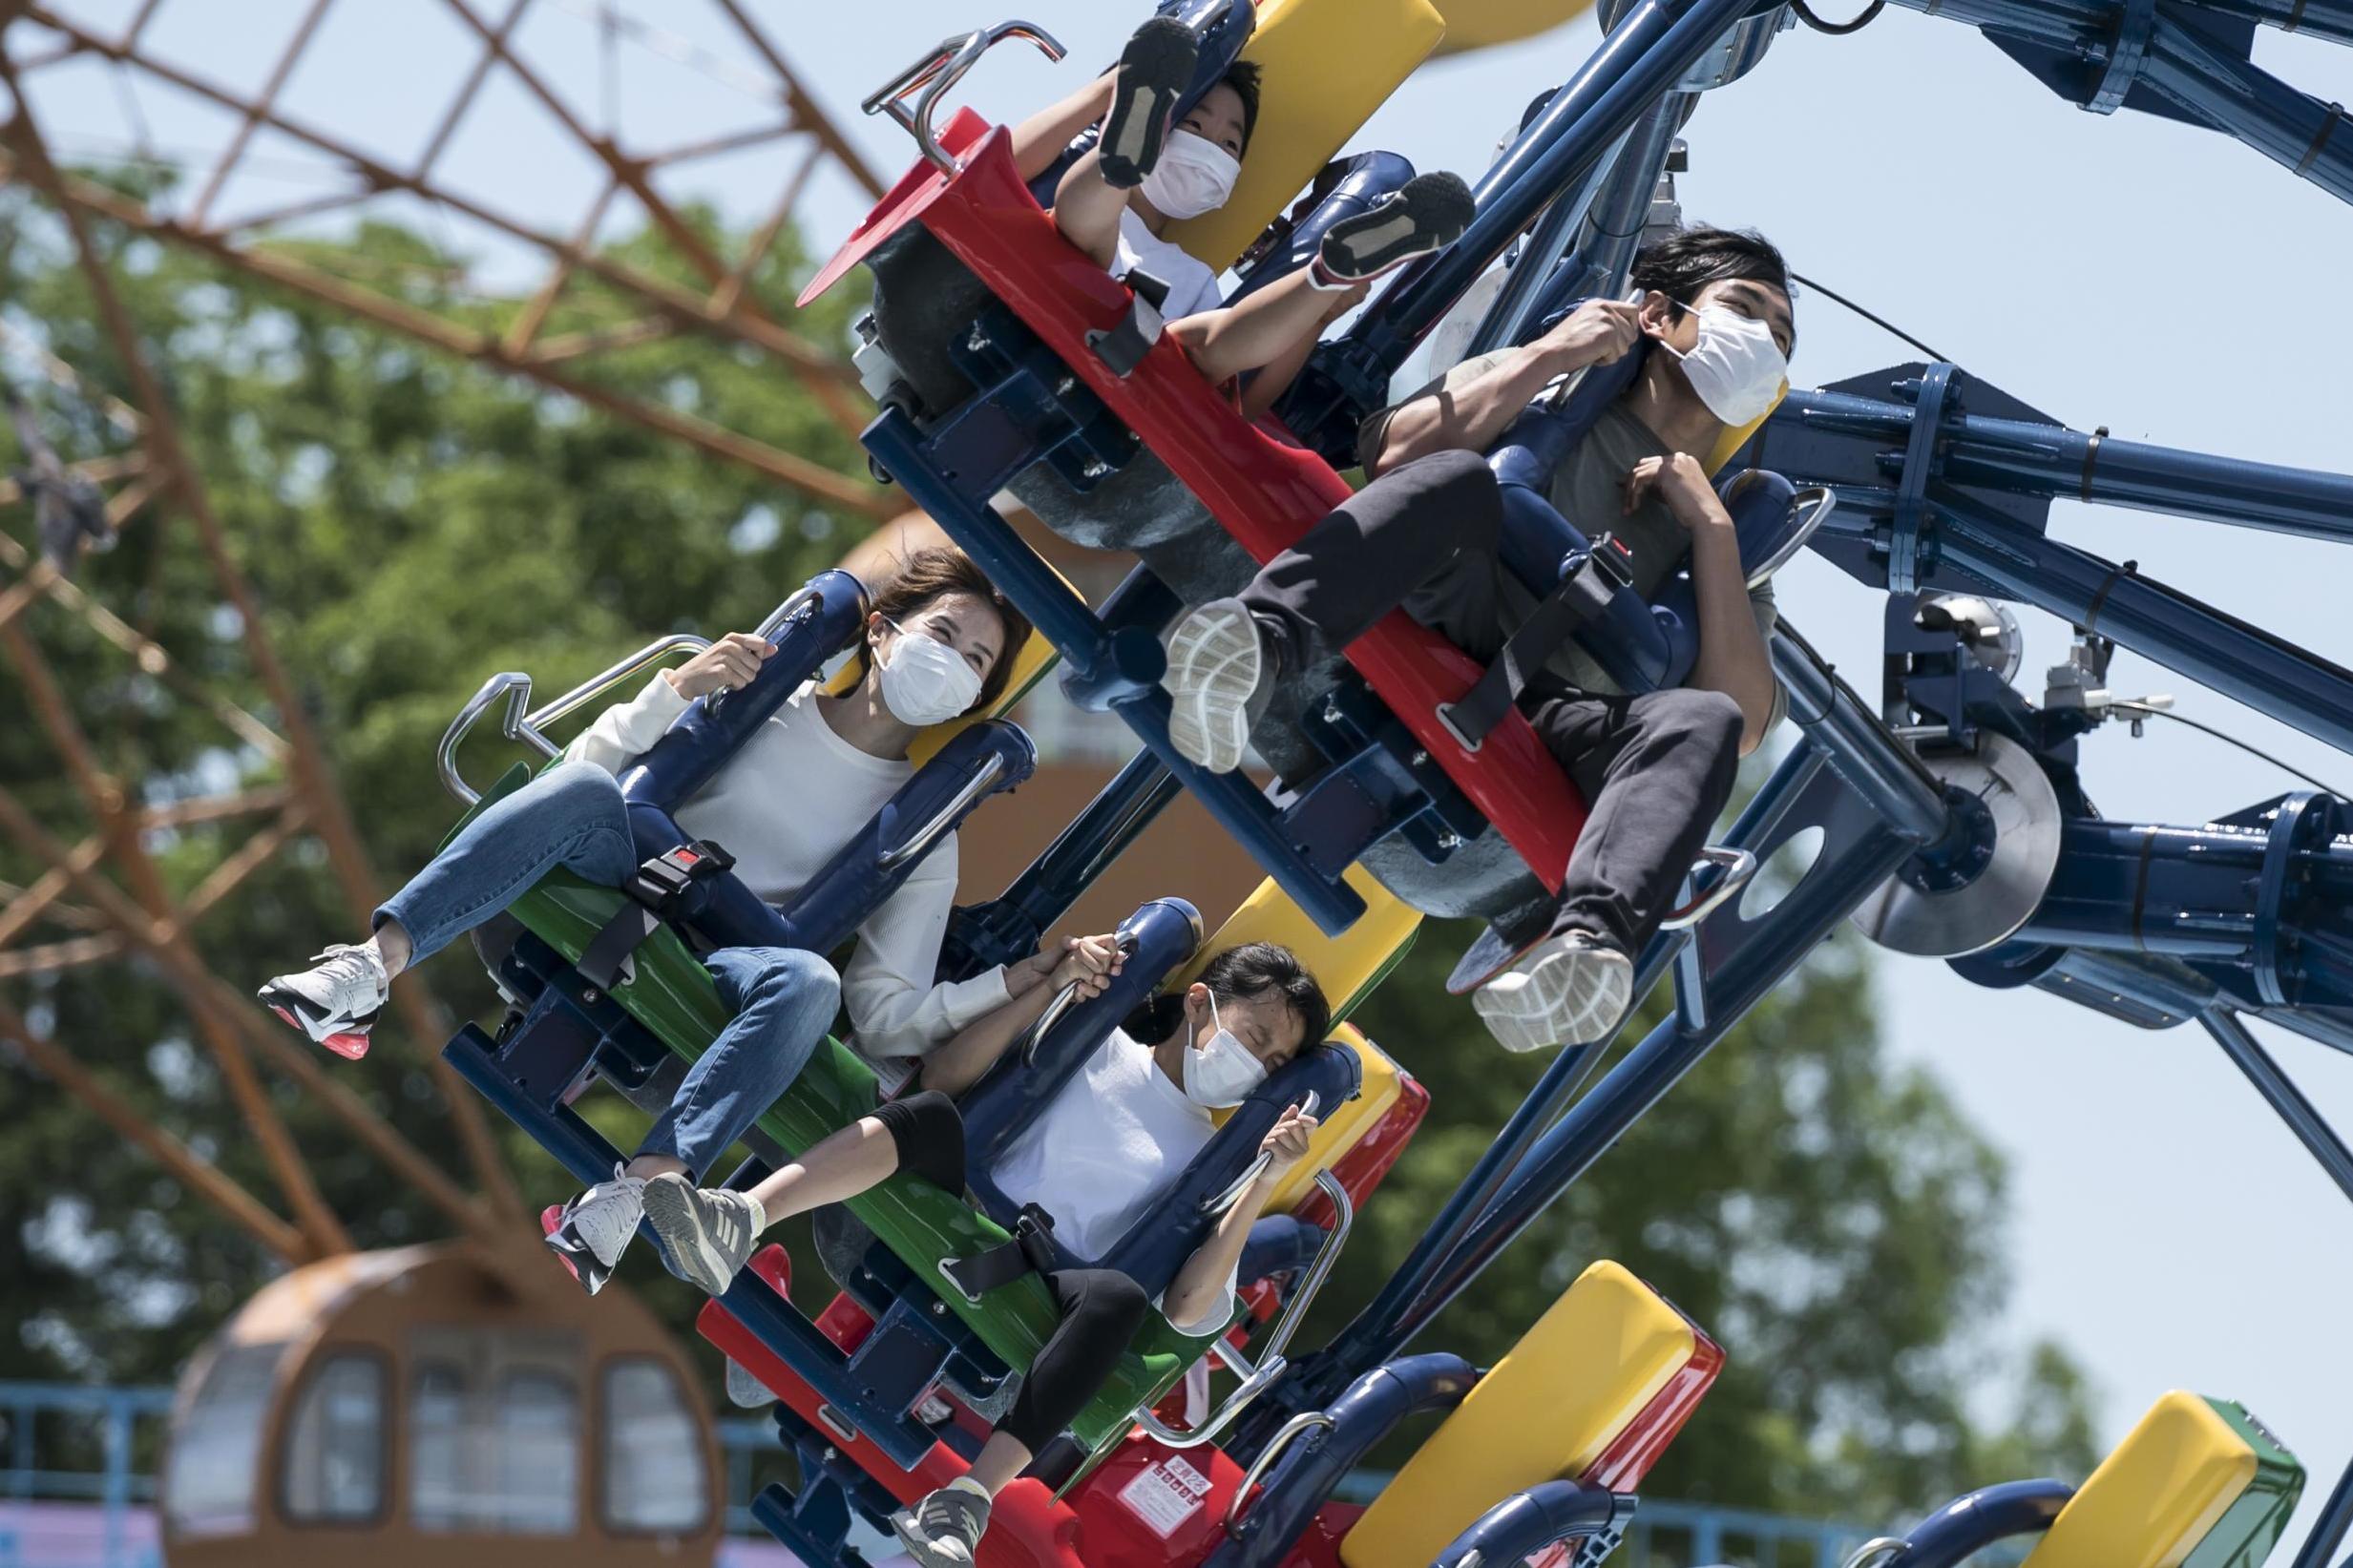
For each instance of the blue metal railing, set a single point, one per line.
(1663, 1534)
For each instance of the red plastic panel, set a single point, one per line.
(1150, 1506)
(1264, 490)
(1624, 1463)
(1360, 1170)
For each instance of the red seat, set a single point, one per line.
(1263, 490)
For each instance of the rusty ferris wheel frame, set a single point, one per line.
(101, 894)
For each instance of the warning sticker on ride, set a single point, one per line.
(1167, 1494)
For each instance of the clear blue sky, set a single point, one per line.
(2124, 271)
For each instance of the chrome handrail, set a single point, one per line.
(925, 836)
(940, 69)
(1739, 868)
(1818, 502)
(530, 727)
(1062, 1001)
(1305, 1421)
(778, 618)
(1232, 1195)
(1272, 1364)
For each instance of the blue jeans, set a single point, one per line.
(574, 816)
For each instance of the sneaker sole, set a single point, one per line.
(1154, 68)
(919, 1546)
(1431, 212)
(350, 1044)
(1569, 997)
(579, 1262)
(1214, 666)
(680, 1225)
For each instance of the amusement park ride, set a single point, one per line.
(1947, 809)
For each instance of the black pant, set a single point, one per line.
(1656, 769)
(1101, 1308)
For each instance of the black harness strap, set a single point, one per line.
(1582, 594)
(654, 891)
(1031, 1251)
(1122, 347)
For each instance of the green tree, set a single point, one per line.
(412, 524)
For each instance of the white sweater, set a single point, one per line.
(783, 806)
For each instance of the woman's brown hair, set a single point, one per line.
(935, 572)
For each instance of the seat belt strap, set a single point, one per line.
(655, 891)
(1583, 592)
(1122, 347)
(1031, 1251)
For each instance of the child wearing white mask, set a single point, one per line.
(1103, 1151)
(1150, 169)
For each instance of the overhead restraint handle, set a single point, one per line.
(940, 69)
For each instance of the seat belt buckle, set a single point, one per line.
(1614, 559)
(660, 882)
(1463, 738)
(1033, 1232)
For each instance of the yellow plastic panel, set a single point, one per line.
(1571, 1385)
(1342, 1127)
(1346, 965)
(1328, 64)
(1482, 24)
(2157, 1496)
(1729, 441)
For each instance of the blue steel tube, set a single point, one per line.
(1526, 1522)
(2321, 18)
(1948, 1536)
(1646, 54)
(2328, 1530)
(2052, 460)
(2295, 130)
(1614, 228)
(2304, 1119)
(2241, 662)
(1548, 243)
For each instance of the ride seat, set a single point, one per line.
(1647, 641)
(2199, 1483)
(1592, 1393)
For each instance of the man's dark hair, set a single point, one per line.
(1244, 77)
(1689, 259)
(1243, 974)
(934, 573)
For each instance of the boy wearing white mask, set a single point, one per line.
(1097, 1159)
(1655, 769)
(1149, 169)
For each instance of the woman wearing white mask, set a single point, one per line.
(1097, 1159)
(1151, 168)
(940, 642)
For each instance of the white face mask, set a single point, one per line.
(1223, 1072)
(1194, 176)
(1736, 368)
(925, 681)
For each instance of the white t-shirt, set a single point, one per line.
(784, 805)
(1192, 287)
(1106, 1148)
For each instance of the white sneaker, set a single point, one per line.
(335, 1002)
(708, 1231)
(1570, 988)
(745, 1391)
(944, 1527)
(1217, 663)
(591, 1231)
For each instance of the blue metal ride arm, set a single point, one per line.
(1526, 1522)
(1876, 807)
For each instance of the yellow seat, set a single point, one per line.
(2198, 1484)
(1342, 1127)
(1575, 1385)
(1328, 64)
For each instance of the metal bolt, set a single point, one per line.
(1417, 759)
(1095, 468)
(939, 1308)
(977, 342)
(1066, 385)
(1331, 711)
(1450, 840)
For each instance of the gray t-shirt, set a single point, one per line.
(1589, 489)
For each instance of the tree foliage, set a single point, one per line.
(412, 524)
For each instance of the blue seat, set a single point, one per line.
(1644, 643)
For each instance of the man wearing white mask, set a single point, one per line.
(1150, 169)
(1103, 1153)
(1654, 769)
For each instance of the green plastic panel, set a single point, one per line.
(2246, 1534)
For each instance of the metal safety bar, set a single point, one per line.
(518, 724)
(1232, 1195)
(1063, 1001)
(924, 837)
(1305, 1421)
(1271, 1365)
(1735, 870)
(940, 69)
